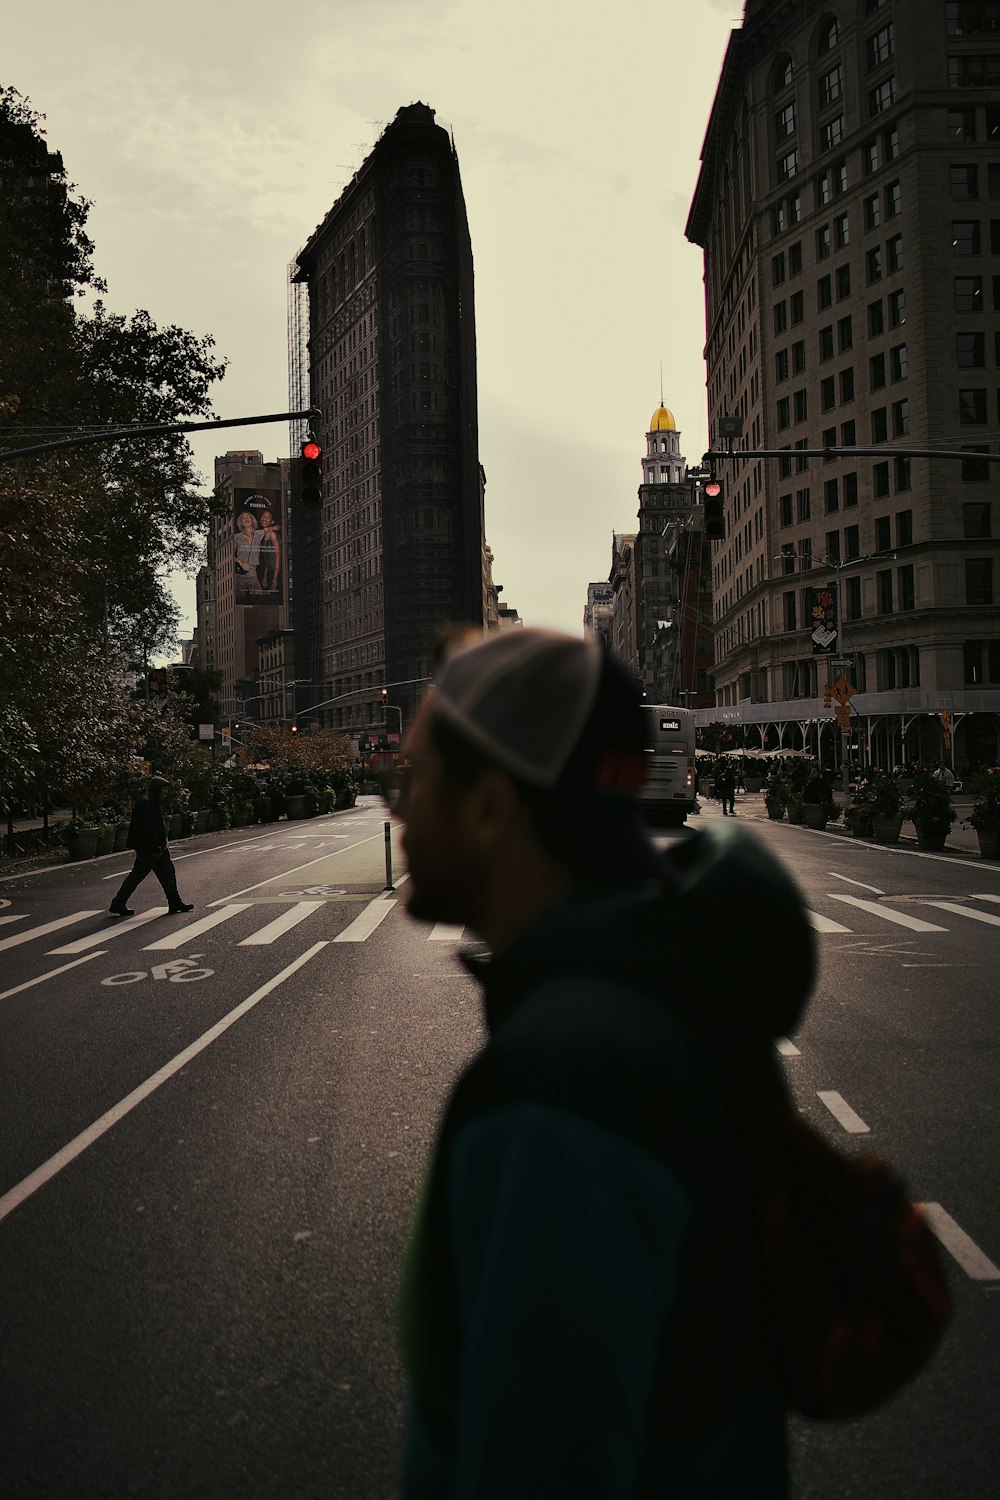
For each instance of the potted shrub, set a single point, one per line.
(776, 794)
(818, 805)
(884, 799)
(858, 818)
(295, 798)
(796, 807)
(930, 810)
(105, 819)
(80, 838)
(985, 814)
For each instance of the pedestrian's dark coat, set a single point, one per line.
(147, 833)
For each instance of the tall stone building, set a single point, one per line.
(392, 366)
(843, 206)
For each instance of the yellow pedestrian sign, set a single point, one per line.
(843, 691)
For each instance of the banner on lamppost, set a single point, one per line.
(824, 627)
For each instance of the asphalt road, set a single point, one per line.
(213, 1134)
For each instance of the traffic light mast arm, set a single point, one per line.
(123, 434)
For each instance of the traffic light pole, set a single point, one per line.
(125, 434)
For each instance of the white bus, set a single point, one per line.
(668, 795)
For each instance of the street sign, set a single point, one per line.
(842, 666)
(206, 732)
(843, 713)
(843, 690)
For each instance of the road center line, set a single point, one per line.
(837, 876)
(41, 978)
(41, 1175)
(843, 1113)
(957, 1243)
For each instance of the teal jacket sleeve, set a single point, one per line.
(566, 1242)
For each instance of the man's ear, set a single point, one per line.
(494, 809)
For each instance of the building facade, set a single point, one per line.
(852, 302)
(599, 613)
(392, 366)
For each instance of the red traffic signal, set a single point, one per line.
(713, 489)
(715, 522)
(311, 475)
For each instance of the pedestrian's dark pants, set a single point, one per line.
(162, 866)
(729, 797)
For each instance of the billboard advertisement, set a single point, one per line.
(259, 553)
(823, 624)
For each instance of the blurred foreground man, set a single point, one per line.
(579, 1308)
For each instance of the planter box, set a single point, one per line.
(175, 825)
(775, 811)
(989, 842)
(105, 841)
(201, 820)
(121, 837)
(931, 833)
(83, 844)
(816, 816)
(295, 806)
(753, 783)
(794, 816)
(859, 827)
(886, 827)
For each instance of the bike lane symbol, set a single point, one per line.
(178, 971)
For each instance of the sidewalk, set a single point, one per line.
(960, 840)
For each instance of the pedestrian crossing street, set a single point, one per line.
(253, 924)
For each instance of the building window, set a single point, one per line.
(841, 231)
(873, 212)
(827, 394)
(784, 412)
(894, 253)
(798, 357)
(978, 580)
(972, 407)
(826, 342)
(900, 418)
(876, 319)
(879, 48)
(976, 520)
(778, 268)
(968, 294)
(974, 18)
(831, 496)
(880, 425)
(993, 178)
(843, 274)
(971, 350)
(961, 124)
(872, 157)
(801, 406)
(883, 589)
(850, 484)
(898, 362)
(880, 480)
(788, 165)
(789, 603)
(829, 441)
(876, 372)
(963, 178)
(805, 554)
(824, 292)
(873, 265)
(902, 467)
(785, 509)
(796, 308)
(852, 543)
(845, 334)
(848, 434)
(972, 71)
(852, 593)
(784, 120)
(829, 37)
(833, 546)
(882, 97)
(831, 86)
(795, 258)
(778, 224)
(847, 385)
(883, 534)
(897, 309)
(788, 557)
(975, 469)
(781, 365)
(832, 133)
(780, 317)
(824, 244)
(890, 143)
(904, 528)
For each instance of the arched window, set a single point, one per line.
(828, 35)
(782, 75)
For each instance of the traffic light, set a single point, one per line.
(827, 695)
(715, 526)
(311, 475)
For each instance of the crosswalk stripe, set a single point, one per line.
(107, 934)
(825, 924)
(46, 927)
(364, 925)
(843, 1113)
(288, 919)
(20, 918)
(980, 897)
(195, 929)
(786, 1048)
(901, 918)
(445, 932)
(965, 911)
(957, 1243)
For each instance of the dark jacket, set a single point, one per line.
(579, 1312)
(146, 831)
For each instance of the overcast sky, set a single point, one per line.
(213, 135)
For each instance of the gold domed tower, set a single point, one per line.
(663, 462)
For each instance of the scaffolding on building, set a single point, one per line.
(298, 356)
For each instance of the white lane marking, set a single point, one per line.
(184, 935)
(837, 876)
(288, 919)
(364, 925)
(253, 843)
(981, 897)
(787, 1048)
(46, 927)
(842, 1112)
(957, 1243)
(445, 932)
(79, 1144)
(825, 924)
(901, 918)
(965, 911)
(295, 869)
(109, 932)
(19, 918)
(41, 978)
